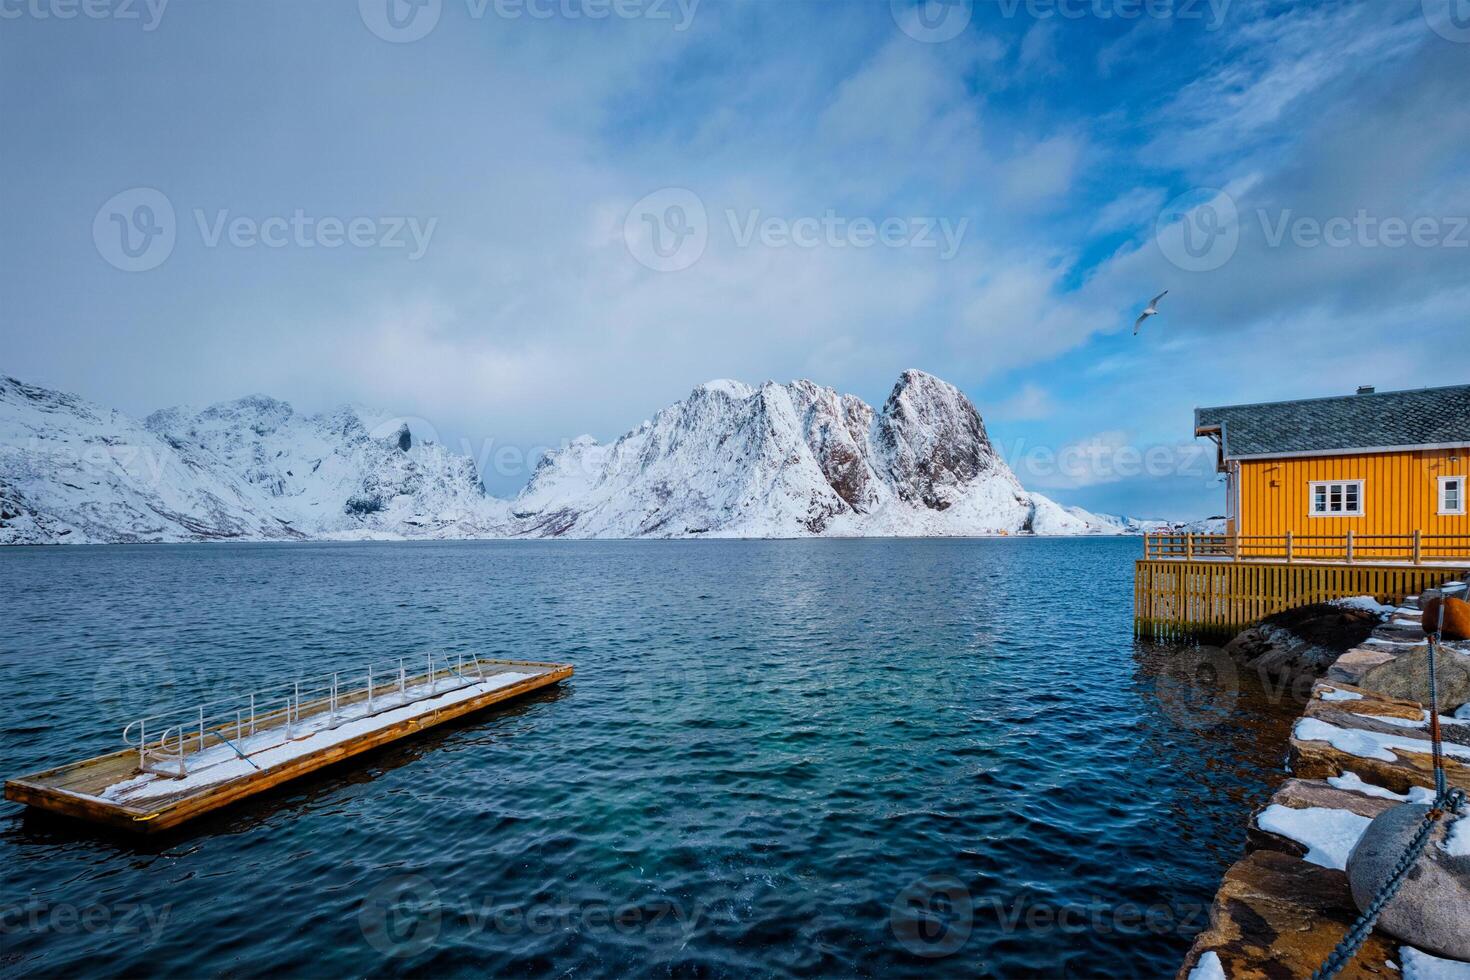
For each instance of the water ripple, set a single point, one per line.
(769, 756)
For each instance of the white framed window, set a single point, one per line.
(1336, 498)
(1452, 495)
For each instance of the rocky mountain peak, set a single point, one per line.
(730, 460)
(932, 440)
(792, 459)
(723, 388)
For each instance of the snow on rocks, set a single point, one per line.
(1367, 744)
(1357, 755)
(1457, 844)
(1328, 835)
(1420, 722)
(1278, 916)
(1366, 603)
(1419, 965)
(1208, 968)
(1352, 782)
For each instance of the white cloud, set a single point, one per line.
(1043, 169)
(1031, 403)
(1038, 54)
(1133, 209)
(1270, 65)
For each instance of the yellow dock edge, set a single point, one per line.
(1176, 599)
(32, 791)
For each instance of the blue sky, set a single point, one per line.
(450, 213)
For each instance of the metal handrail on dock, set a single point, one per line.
(200, 757)
(1415, 548)
(280, 709)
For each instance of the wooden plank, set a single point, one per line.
(1214, 598)
(56, 789)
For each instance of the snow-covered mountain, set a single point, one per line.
(1141, 525)
(72, 471)
(252, 469)
(788, 461)
(729, 460)
(347, 473)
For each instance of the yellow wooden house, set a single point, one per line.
(1327, 498)
(1377, 464)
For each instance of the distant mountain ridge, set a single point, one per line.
(792, 460)
(730, 460)
(252, 469)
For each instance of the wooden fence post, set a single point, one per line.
(1350, 547)
(1418, 553)
(1188, 545)
(1288, 547)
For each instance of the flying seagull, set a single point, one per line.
(1153, 310)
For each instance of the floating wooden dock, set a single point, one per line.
(182, 764)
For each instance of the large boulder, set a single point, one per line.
(1433, 905)
(1407, 676)
(1298, 645)
(1456, 618)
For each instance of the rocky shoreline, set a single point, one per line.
(1360, 748)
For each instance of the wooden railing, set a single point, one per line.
(1415, 548)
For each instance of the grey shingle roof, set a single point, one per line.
(1419, 417)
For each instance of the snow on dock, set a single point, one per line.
(182, 764)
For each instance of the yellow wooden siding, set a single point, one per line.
(1400, 493)
(1175, 598)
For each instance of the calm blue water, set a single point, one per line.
(776, 758)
